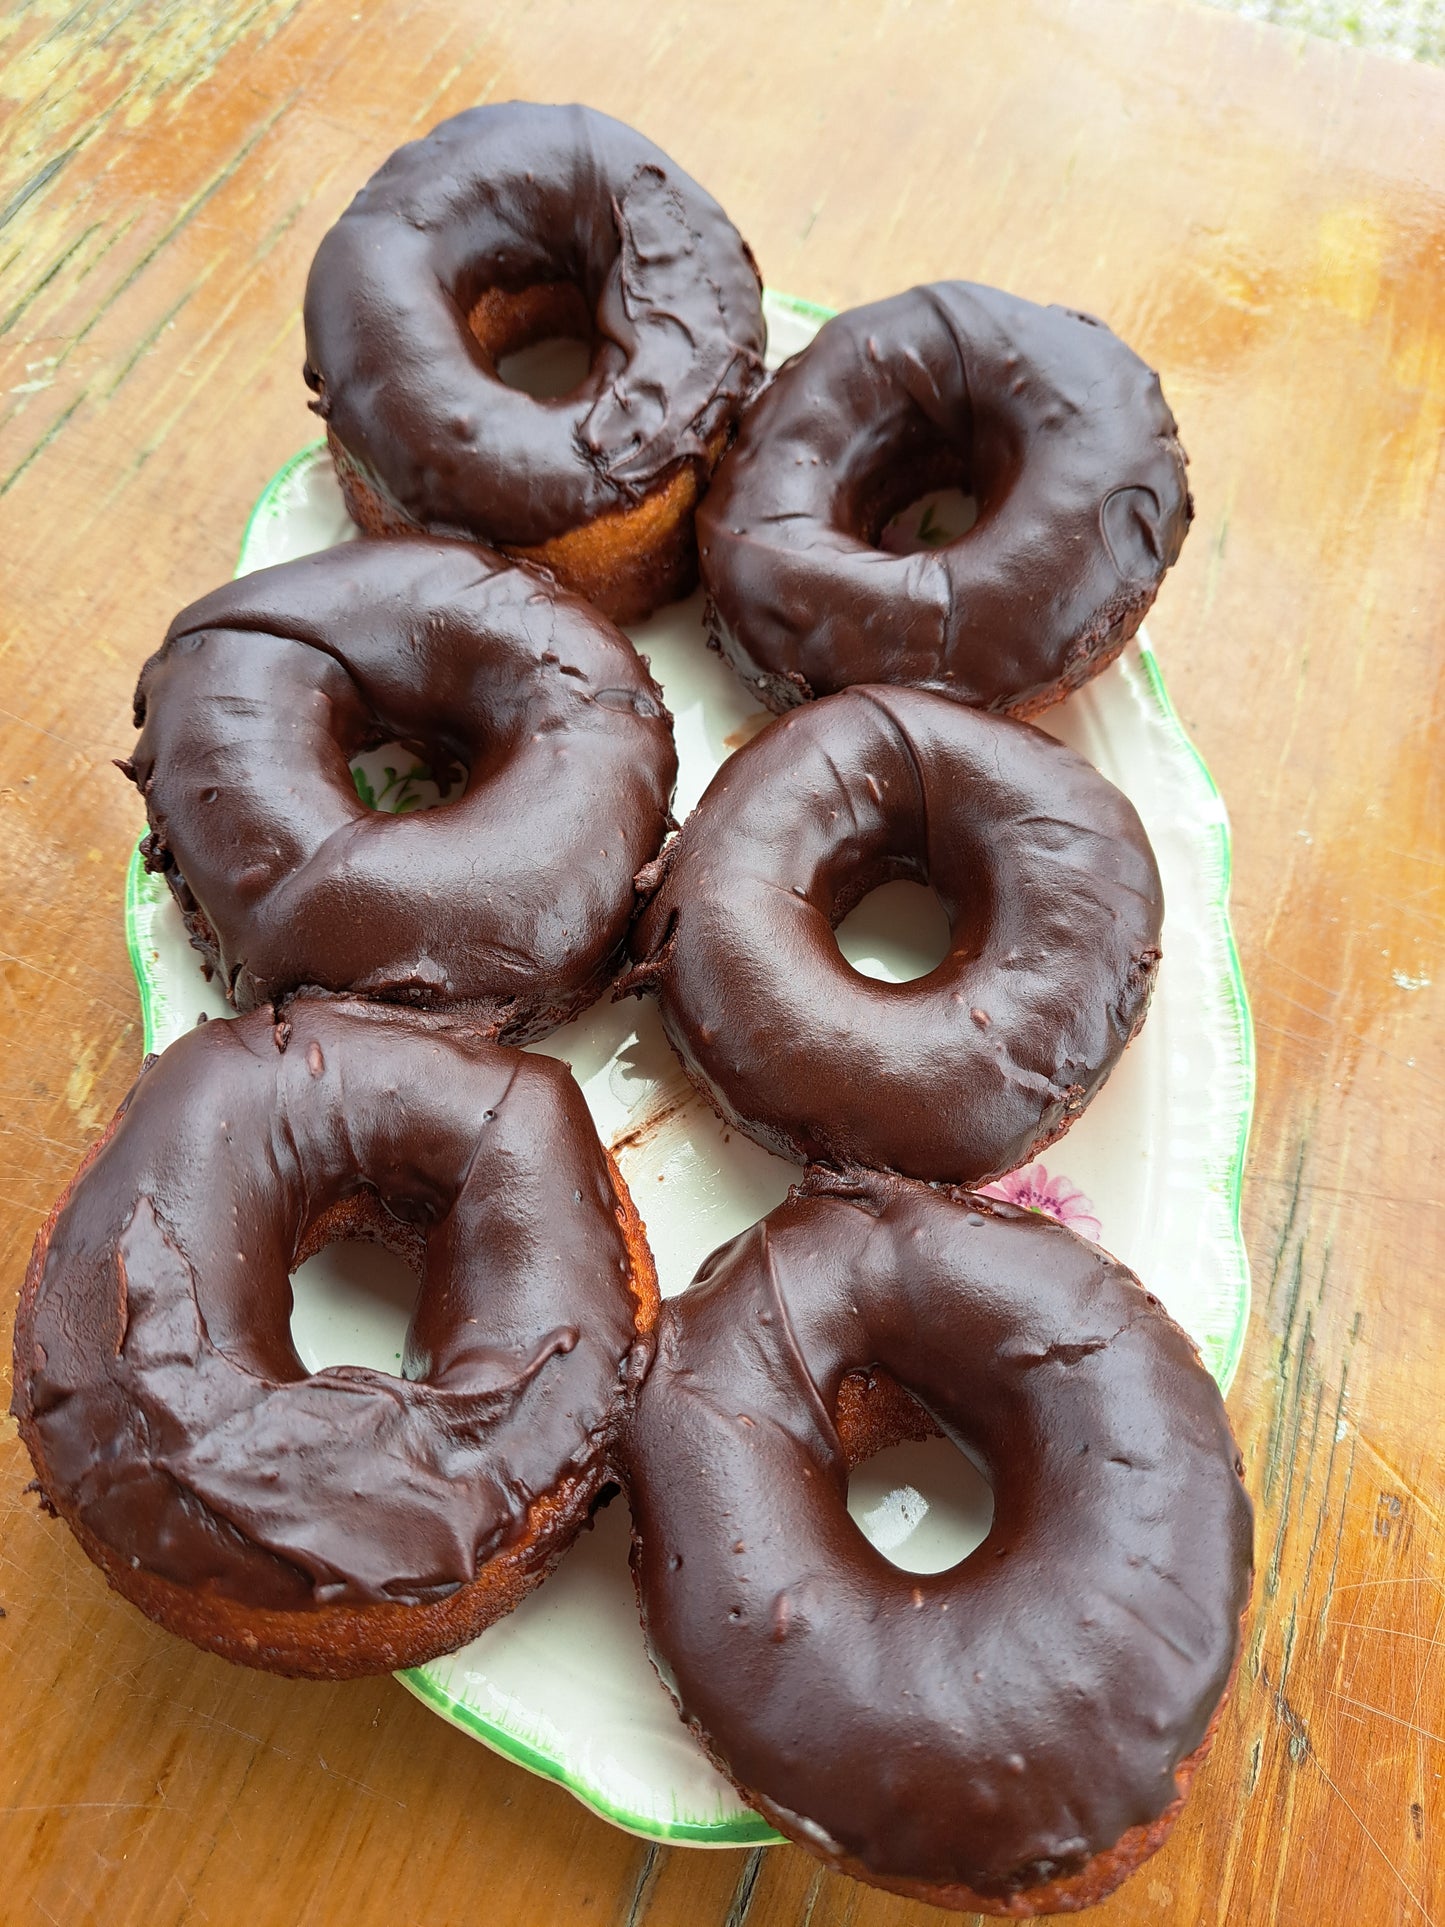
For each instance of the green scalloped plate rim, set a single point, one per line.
(753, 1830)
(748, 1830)
(1226, 1362)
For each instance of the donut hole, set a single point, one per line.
(923, 497)
(354, 1287)
(547, 370)
(352, 1304)
(898, 932)
(917, 1498)
(539, 340)
(402, 778)
(934, 520)
(890, 920)
(924, 1505)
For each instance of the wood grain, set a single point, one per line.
(1263, 217)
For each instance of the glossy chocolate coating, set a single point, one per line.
(997, 1725)
(1058, 430)
(1054, 905)
(508, 197)
(156, 1381)
(512, 898)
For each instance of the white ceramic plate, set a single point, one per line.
(1152, 1171)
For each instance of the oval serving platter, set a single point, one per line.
(1152, 1171)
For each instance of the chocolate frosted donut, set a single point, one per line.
(1054, 906)
(1057, 429)
(1014, 1734)
(507, 224)
(514, 897)
(345, 1521)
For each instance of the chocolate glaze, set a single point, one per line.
(1053, 899)
(508, 197)
(514, 897)
(1058, 430)
(156, 1383)
(997, 1725)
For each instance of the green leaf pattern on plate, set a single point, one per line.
(397, 793)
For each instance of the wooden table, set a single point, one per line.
(1263, 217)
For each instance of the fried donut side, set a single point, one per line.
(506, 224)
(1054, 905)
(1012, 1735)
(1059, 432)
(513, 898)
(344, 1521)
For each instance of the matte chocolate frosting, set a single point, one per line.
(511, 898)
(1057, 429)
(508, 197)
(996, 1726)
(156, 1383)
(1054, 905)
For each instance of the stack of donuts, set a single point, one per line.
(1014, 1734)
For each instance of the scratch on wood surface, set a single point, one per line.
(1385, 1632)
(642, 1887)
(1337, 1433)
(91, 1806)
(26, 301)
(54, 977)
(214, 1721)
(149, 339)
(45, 441)
(1409, 1199)
(347, 1779)
(1302, 1750)
(55, 736)
(116, 235)
(41, 178)
(815, 1887)
(1332, 991)
(188, 1900)
(1426, 1506)
(1337, 1031)
(742, 1899)
(1321, 1017)
(1424, 1733)
(70, 1150)
(1360, 1822)
(1399, 1579)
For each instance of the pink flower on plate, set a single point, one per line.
(1035, 1190)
